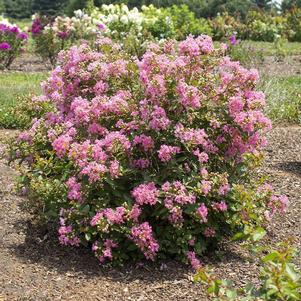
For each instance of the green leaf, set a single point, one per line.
(198, 248)
(85, 209)
(249, 288)
(270, 257)
(258, 234)
(239, 236)
(88, 236)
(290, 269)
(231, 294)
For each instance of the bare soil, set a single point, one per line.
(29, 62)
(288, 66)
(35, 267)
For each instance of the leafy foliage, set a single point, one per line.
(280, 280)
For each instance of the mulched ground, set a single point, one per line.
(289, 65)
(29, 62)
(35, 267)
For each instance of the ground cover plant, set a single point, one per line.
(151, 157)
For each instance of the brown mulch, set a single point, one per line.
(33, 266)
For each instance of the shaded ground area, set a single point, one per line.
(35, 267)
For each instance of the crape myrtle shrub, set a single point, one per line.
(51, 35)
(12, 43)
(149, 157)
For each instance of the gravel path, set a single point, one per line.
(33, 266)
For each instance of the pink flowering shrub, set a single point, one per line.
(152, 156)
(12, 42)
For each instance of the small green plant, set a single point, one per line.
(279, 278)
(246, 54)
(281, 52)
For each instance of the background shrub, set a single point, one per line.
(12, 41)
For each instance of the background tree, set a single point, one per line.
(18, 9)
(289, 4)
(2, 7)
(264, 4)
(49, 7)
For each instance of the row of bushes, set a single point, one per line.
(135, 29)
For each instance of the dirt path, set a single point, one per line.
(33, 266)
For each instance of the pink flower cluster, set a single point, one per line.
(146, 194)
(142, 235)
(104, 253)
(166, 152)
(66, 234)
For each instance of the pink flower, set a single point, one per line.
(4, 46)
(221, 206)
(146, 194)
(202, 211)
(115, 216)
(141, 163)
(209, 232)
(143, 237)
(146, 142)
(189, 95)
(94, 171)
(74, 189)
(114, 169)
(206, 186)
(202, 156)
(159, 119)
(67, 237)
(166, 152)
(195, 263)
(96, 218)
(224, 189)
(135, 213)
(61, 145)
(81, 109)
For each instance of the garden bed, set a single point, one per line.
(35, 267)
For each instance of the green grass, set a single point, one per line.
(270, 49)
(283, 98)
(16, 85)
(267, 48)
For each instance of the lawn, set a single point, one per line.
(15, 86)
(267, 48)
(283, 96)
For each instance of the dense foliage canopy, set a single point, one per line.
(201, 8)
